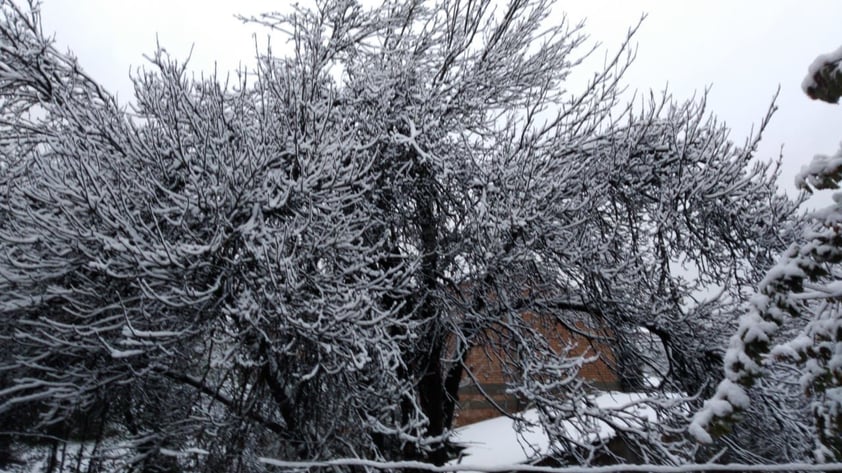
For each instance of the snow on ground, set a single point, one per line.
(497, 441)
(488, 443)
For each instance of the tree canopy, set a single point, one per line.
(296, 261)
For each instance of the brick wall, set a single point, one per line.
(487, 365)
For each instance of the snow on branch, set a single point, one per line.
(303, 260)
(824, 77)
(804, 284)
(687, 468)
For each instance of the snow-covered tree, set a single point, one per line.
(805, 285)
(296, 262)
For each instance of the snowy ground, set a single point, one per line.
(497, 441)
(488, 443)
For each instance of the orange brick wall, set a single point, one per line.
(487, 367)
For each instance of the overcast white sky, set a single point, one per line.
(742, 49)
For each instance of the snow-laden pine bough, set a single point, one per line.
(804, 288)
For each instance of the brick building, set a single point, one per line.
(487, 367)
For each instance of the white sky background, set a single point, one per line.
(742, 49)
